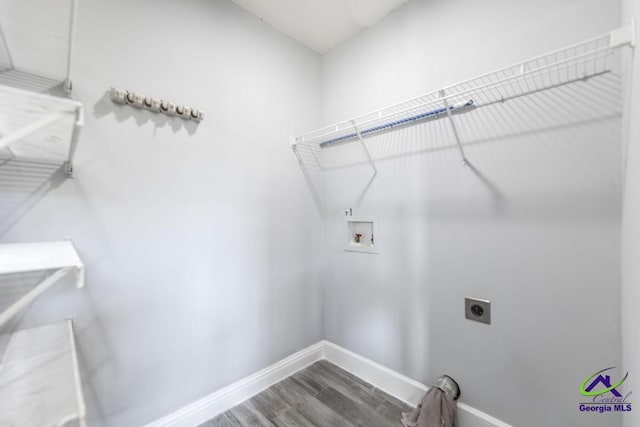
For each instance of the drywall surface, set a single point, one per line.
(533, 224)
(631, 220)
(197, 239)
(30, 41)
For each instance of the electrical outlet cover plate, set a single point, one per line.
(477, 309)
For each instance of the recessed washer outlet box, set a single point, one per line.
(478, 310)
(360, 234)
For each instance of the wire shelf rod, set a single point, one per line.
(397, 123)
(72, 32)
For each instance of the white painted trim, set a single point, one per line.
(383, 378)
(400, 386)
(391, 382)
(226, 398)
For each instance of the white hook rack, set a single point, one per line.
(157, 105)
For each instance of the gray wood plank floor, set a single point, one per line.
(322, 395)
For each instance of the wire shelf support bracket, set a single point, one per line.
(25, 116)
(60, 258)
(453, 127)
(366, 151)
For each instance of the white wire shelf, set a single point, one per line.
(30, 81)
(579, 62)
(60, 258)
(38, 127)
(39, 378)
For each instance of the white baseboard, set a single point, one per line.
(391, 382)
(400, 386)
(226, 398)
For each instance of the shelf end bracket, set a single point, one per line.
(624, 35)
(453, 127)
(364, 147)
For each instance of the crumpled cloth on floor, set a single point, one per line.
(435, 410)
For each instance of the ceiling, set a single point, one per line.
(320, 24)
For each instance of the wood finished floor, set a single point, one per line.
(322, 395)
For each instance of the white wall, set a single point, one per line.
(200, 243)
(533, 226)
(35, 41)
(631, 220)
(196, 239)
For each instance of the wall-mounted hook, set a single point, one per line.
(118, 95)
(138, 100)
(156, 105)
(172, 109)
